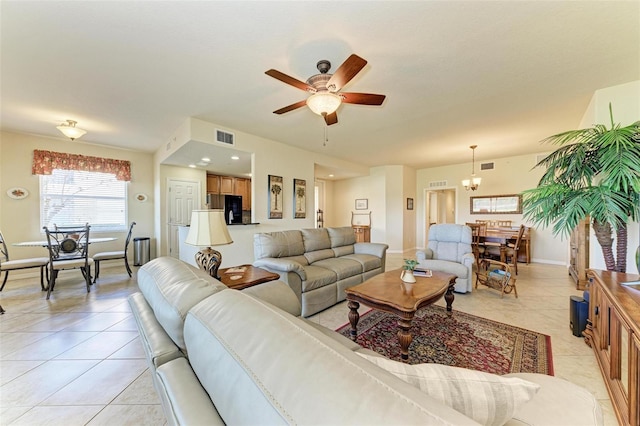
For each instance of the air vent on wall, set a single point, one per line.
(225, 137)
(438, 184)
(486, 166)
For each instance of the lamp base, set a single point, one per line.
(209, 260)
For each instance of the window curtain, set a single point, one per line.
(44, 162)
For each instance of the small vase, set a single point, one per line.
(407, 276)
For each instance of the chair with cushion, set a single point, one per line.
(7, 265)
(114, 255)
(68, 249)
(449, 250)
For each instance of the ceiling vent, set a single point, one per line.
(438, 184)
(487, 166)
(225, 137)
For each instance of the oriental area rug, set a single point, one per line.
(459, 339)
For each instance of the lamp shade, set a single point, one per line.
(70, 130)
(324, 103)
(208, 228)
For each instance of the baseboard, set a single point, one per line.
(549, 261)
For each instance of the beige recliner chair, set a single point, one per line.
(449, 250)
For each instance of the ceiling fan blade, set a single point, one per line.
(290, 80)
(346, 72)
(362, 98)
(291, 107)
(331, 118)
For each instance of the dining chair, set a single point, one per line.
(114, 255)
(503, 223)
(7, 265)
(511, 250)
(477, 235)
(68, 249)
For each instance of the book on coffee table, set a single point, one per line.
(421, 272)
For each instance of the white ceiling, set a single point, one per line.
(499, 74)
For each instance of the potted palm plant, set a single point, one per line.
(594, 174)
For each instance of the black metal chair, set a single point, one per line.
(68, 249)
(114, 255)
(7, 265)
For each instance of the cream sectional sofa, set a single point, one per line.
(222, 356)
(319, 264)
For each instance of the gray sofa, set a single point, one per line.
(319, 264)
(222, 356)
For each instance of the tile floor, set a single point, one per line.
(76, 359)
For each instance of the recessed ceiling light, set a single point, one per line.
(235, 157)
(193, 166)
(206, 159)
(330, 175)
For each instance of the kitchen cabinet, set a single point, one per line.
(613, 332)
(229, 185)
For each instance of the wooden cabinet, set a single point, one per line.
(229, 185)
(213, 184)
(613, 331)
(243, 188)
(579, 254)
(363, 233)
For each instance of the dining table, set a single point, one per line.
(502, 236)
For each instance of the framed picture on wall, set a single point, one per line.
(362, 204)
(409, 203)
(300, 197)
(276, 197)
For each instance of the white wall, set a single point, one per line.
(625, 103)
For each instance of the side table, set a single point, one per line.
(243, 276)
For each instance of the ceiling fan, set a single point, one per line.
(325, 88)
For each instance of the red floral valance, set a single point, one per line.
(44, 162)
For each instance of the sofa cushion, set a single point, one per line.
(315, 239)
(343, 250)
(314, 256)
(278, 244)
(342, 236)
(368, 261)
(172, 287)
(343, 268)
(260, 365)
(317, 277)
(487, 398)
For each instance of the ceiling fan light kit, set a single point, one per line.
(70, 130)
(325, 98)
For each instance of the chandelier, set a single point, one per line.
(474, 182)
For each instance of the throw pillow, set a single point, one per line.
(487, 398)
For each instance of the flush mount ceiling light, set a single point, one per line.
(474, 182)
(70, 130)
(324, 103)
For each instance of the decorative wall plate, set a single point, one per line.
(17, 193)
(141, 197)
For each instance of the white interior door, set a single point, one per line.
(183, 197)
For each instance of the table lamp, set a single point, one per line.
(208, 228)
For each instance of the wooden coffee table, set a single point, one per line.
(243, 276)
(386, 292)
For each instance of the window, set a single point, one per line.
(70, 197)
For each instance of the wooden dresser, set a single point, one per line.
(613, 331)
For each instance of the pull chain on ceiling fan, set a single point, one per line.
(325, 88)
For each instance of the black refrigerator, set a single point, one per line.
(233, 209)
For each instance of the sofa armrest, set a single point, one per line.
(423, 255)
(375, 249)
(281, 265)
(468, 259)
(278, 294)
